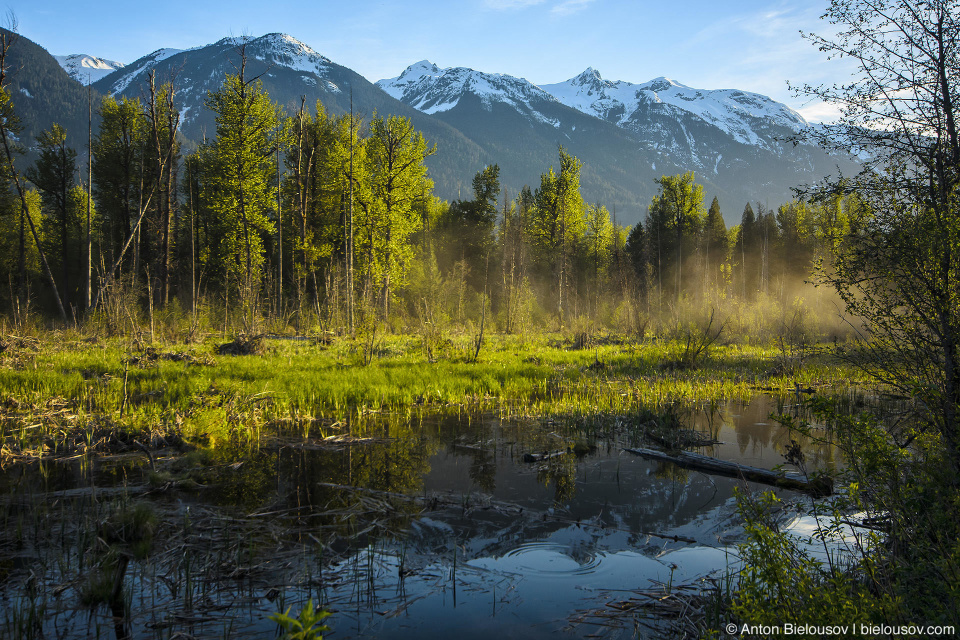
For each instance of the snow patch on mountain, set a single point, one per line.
(741, 114)
(286, 51)
(87, 69)
(274, 49)
(430, 89)
(132, 71)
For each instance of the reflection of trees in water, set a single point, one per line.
(297, 479)
(483, 469)
(608, 500)
(753, 426)
(561, 473)
(761, 435)
(671, 472)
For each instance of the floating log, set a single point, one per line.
(818, 487)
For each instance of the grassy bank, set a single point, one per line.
(61, 381)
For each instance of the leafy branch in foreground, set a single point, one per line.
(899, 272)
(303, 626)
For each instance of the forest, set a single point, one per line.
(317, 222)
(273, 369)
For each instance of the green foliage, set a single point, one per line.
(556, 225)
(118, 150)
(398, 183)
(781, 580)
(469, 225)
(895, 569)
(53, 176)
(680, 203)
(716, 245)
(10, 233)
(238, 168)
(304, 626)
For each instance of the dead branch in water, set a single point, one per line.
(818, 487)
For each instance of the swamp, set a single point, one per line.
(274, 380)
(194, 490)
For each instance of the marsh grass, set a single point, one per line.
(63, 394)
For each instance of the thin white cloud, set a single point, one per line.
(568, 7)
(505, 5)
(557, 9)
(769, 51)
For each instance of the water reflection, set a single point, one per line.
(429, 528)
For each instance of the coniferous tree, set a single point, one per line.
(745, 251)
(599, 242)
(394, 161)
(557, 223)
(470, 224)
(681, 199)
(638, 252)
(796, 240)
(54, 177)
(715, 244)
(239, 167)
(118, 150)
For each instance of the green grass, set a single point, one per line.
(297, 381)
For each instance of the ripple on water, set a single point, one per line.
(545, 559)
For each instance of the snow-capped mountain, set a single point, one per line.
(87, 69)
(748, 118)
(430, 89)
(738, 143)
(202, 69)
(735, 136)
(522, 126)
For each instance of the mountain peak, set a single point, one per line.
(234, 41)
(423, 65)
(743, 116)
(87, 69)
(589, 75)
(663, 84)
(430, 89)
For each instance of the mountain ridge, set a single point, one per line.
(627, 135)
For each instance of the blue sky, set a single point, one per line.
(752, 45)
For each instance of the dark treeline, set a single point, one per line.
(330, 221)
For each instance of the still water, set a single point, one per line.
(427, 528)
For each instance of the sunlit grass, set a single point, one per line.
(211, 396)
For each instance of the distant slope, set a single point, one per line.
(43, 93)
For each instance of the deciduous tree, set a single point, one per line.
(900, 270)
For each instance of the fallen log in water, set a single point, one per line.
(818, 487)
